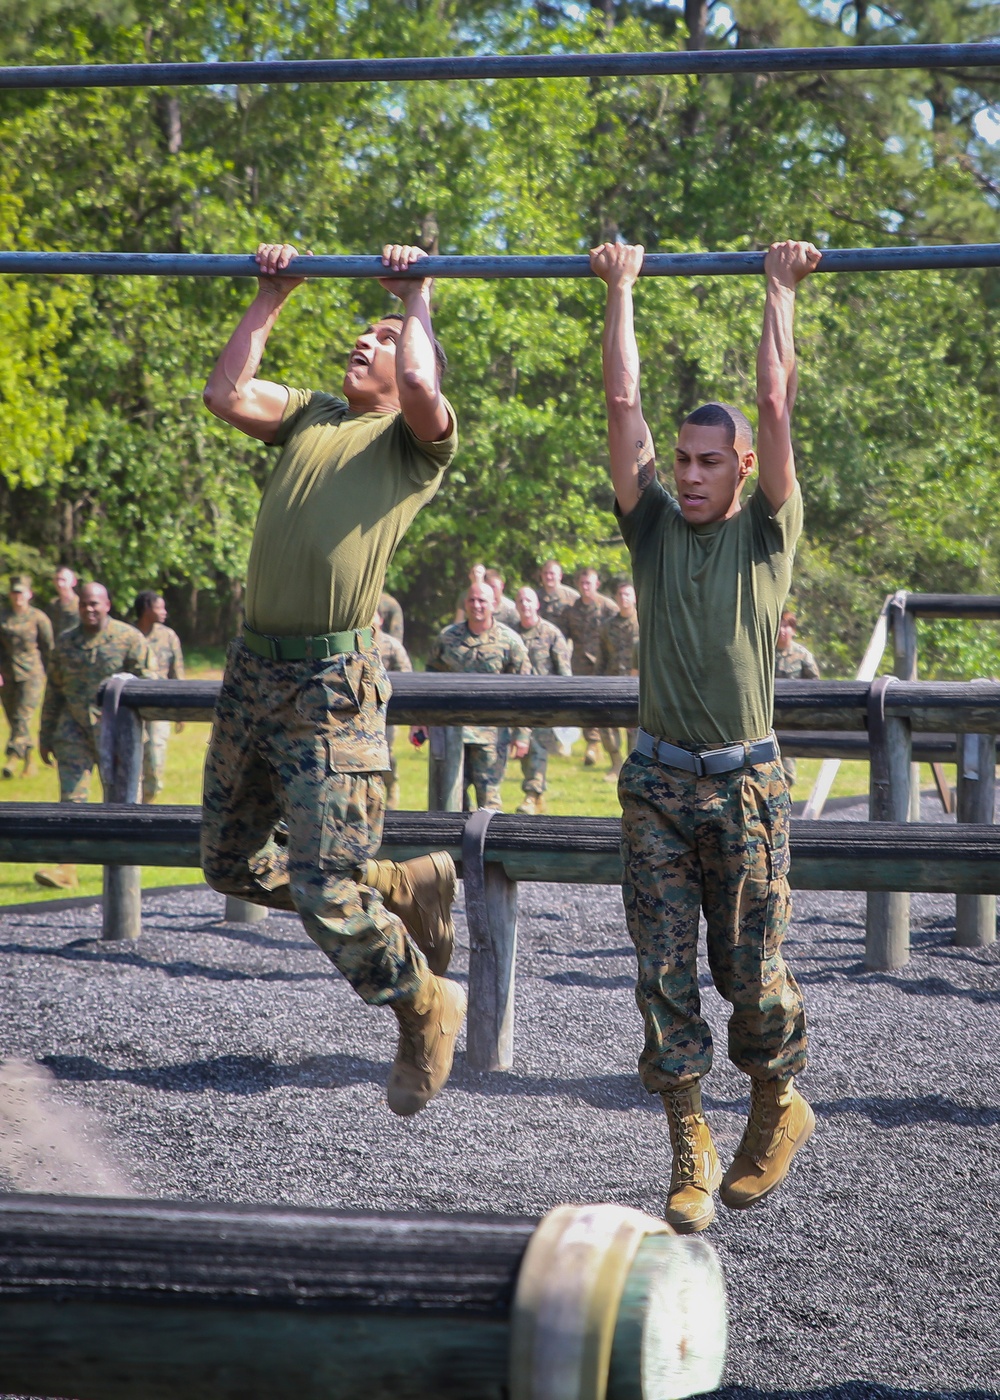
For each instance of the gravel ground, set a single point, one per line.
(224, 1062)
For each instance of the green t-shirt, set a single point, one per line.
(342, 496)
(709, 601)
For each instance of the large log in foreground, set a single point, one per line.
(151, 1300)
(925, 857)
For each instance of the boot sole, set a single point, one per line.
(800, 1141)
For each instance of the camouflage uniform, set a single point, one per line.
(25, 645)
(298, 748)
(165, 646)
(583, 622)
(62, 615)
(549, 656)
(497, 651)
(394, 657)
(723, 841)
(507, 613)
(795, 663)
(618, 648)
(71, 715)
(552, 606)
(392, 617)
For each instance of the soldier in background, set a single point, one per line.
(584, 619)
(477, 574)
(554, 596)
(391, 612)
(618, 644)
(504, 608)
(792, 662)
(81, 660)
(481, 646)
(25, 644)
(549, 656)
(394, 658)
(64, 611)
(165, 645)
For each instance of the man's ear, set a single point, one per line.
(747, 463)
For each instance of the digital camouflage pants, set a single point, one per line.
(484, 766)
(535, 763)
(21, 699)
(298, 747)
(719, 844)
(155, 733)
(76, 757)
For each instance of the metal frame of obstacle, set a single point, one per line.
(829, 59)
(121, 1298)
(736, 264)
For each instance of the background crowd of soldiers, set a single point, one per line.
(60, 656)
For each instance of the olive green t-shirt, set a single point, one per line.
(709, 601)
(342, 496)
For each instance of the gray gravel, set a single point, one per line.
(219, 1062)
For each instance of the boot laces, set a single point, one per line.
(761, 1123)
(685, 1165)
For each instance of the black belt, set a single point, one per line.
(707, 761)
(306, 648)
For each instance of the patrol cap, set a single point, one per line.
(20, 583)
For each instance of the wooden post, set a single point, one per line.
(241, 911)
(491, 912)
(887, 922)
(120, 744)
(976, 914)
(115, 1299)
(904, 637)
(445, 769)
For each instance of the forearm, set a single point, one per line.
(416, 366)
(777, 375)
(620, 354)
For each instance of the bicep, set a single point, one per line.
(258, 410)
(775, 458)
(633, 457)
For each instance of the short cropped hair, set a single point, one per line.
(439, 355)
(724, 415)
(144, 600)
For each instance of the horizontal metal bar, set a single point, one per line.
(902, 259)
(984, 606)
(829, 59)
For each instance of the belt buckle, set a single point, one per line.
(700, 771)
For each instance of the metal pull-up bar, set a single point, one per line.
(575, 265)
(833, 58)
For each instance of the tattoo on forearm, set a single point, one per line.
(644, 464)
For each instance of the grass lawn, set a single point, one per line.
(573, 791)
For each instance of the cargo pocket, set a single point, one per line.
(342, 703)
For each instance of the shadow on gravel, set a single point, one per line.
(228, 1074)
(850, 1390)
(94, 950)
(932, 987)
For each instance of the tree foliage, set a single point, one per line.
(111, 463)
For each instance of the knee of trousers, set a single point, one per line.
(227, 872)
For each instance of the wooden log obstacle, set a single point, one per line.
(114, 1299)
(494, 852)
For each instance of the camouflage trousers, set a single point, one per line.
(483, 770)
(20, 701)
(155, 733)
(75, 751)
(718, 843)
(288, 817)
(535, 763)
(609, 739)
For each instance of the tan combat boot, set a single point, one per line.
(28, 770)
(531, 804)
(780, 1122)
(8, 769)
(421, 893)
(428, 1029)
(696, 1172)
(57, 877)
(590, 757)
